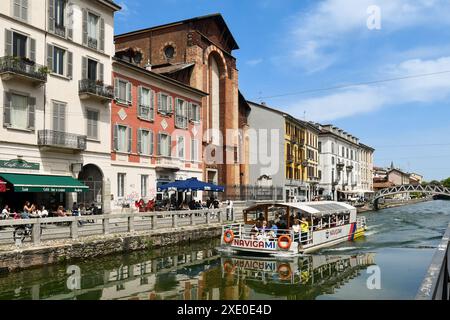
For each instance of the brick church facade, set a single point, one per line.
(198, 52)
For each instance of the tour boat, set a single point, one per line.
(328, 223)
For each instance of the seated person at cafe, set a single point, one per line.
(5, 212)
(61, 212)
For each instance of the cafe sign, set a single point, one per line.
(19, 164)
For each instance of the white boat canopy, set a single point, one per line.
(322, 207)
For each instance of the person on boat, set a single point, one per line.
(255, 230)
(304, 229)
(273, 229)
(296, 227)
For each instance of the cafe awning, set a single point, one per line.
(43, 183)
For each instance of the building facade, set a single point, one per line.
(56, 93)
(284, 153)
(156, 132)
(198, 52)
(342, 164)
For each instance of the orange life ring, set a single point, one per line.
(284, 242)
(228, 236)
(228, 267)
(284, 271)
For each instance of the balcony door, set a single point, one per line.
(92, 70)
(19, 45)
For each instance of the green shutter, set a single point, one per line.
(170, 104)
(84, 68)
(102, 34)
(116, 138)
(51, 15)
(169, 146)
(16, 8)
(50, 57)
(159, 101)
(85, 28)
(130, 139)
(139, 101)
(7, 110)
(69, 18)
(69, 64)
(32, 52)
(31, 112)
(152, 105)
(24, 10)
(8, 43)
(139, 141)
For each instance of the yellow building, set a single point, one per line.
(301, 156)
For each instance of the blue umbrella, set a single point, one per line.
(192, 185)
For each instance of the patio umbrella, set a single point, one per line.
(192, 184)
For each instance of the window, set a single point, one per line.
(165, 103)
(180, 114)
(145, 142)
(164, 145)
(320, 147)
(332, 147)
(59, 13)
(332, 161)
(58, 60)
(19, 45)
(121, 185)
(169, 52)
(146, 103)
(19, 111)
(122, 138)
(92, 30)
(92, 124)
(92, 69)
(194, 112)
(59, 116)
(20, 9)
(194, 150)
(144, 185)
(122, 91)
(180, 147)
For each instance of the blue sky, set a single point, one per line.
(288, 47)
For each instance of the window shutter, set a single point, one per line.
(85, 28)
(101, 71)
(169, 146)
(102, 34)
(50, 57)
(7, 110)
(31, 112)
(84, 69)
(159, 144)
(16, 9)
(170, 104)
(190, 111)
(24, 10)
(129, 98)
(139, 99)
(159, 101)
(116, 137)
(130, 136)
(69, 64)
(51, 15)
(152, 105)
(197, 113)
(69, 20)
(152, 143)
(32, 51)
(139, 141)
(116, 88)
(8, 43)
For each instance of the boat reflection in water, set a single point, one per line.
(301, 278)
(195, 272)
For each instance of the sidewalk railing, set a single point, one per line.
(43, 229)
(436, 286)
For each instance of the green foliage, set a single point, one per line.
(446, 183)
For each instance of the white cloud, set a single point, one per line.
(364, 99)
(320, 33)
(254, 62)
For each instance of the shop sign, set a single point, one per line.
(19, 164)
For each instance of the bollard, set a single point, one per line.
(191, 218)
(220, 216)
(153, 218)
(130, 223)
(36, 235)
(207, 217)
(74, 229)
(174, 220)
(105, 225)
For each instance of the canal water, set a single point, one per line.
(389, 263)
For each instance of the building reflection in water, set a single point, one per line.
(194, 274)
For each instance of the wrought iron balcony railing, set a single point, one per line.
(50, 138)
(16, 66)
(181, 122)
(89, 87)
(60, 31)
(92, 43)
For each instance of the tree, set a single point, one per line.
(446, 183)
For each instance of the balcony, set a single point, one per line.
(62, 141)
(60, 31)
(92, 43)
(350, 168)
(168, 163)
(340, 166)
(22, 69)
(290, 160)
(314, 179)
(90, 89)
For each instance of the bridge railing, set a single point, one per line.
(436, 285)
(43, 229)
